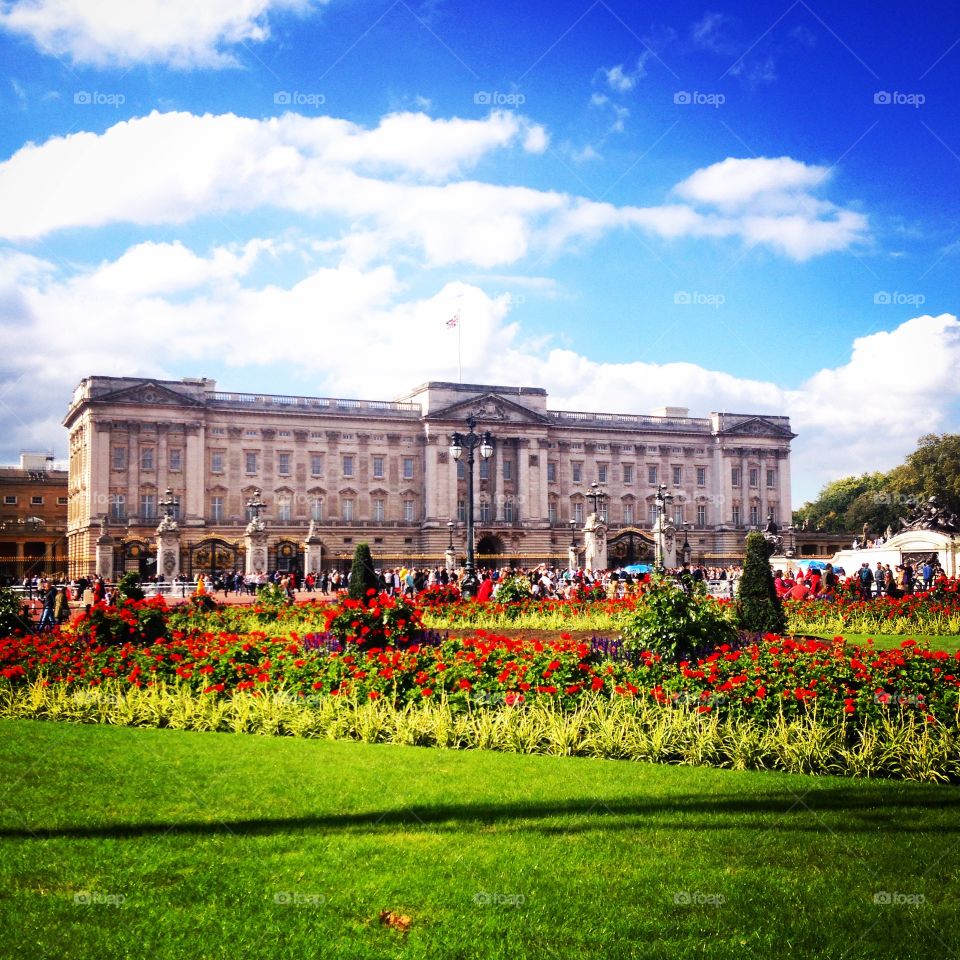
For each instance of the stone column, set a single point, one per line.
(255, 541)
(312, 551)
(450, 560)
(595, 544)
(168, 549)
(104, 553)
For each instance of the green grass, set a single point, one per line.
(950, 642)
(242, 846)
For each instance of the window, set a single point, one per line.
(484, 469)
(250, 433)
(119, 458)
(576, 472)
(216, 431)
(678, 516)
(346, 436)
(175, 507)
(408, 468)
(601, 473)
(701, 476)
(552, 512)
(251, 462)
(10, 500)
(735, 477)
(578, 512)
(316, 464)
(507, 469)
(283, 511)
(176, 458)
(771, 478)
(379, 511)
(509, 510)
(61, 501)
(551, 472)
(628, 513)
(461, 511)
(216, 509)
(146, 458)
(736, 516)
(283, 433)
(148, 506)
(652, 474)
(346, 510)
(36, 501)
(652, 514)
(118, 506)
(348, 466)
(701, 516)
(461, 470)
(316, 509)
(283, 464)
(628, 473)
(378, 468)
(484, 511)
(754, 516)
(754, 476)
(677, 476)
(216, 461)
(408, 511)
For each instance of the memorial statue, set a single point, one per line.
(932, 516)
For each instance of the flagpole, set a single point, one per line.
(459, 354)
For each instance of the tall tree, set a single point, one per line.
(933, 469)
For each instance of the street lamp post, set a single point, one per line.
(662, 500)
(255, 504)
(471, 442)
(450, 526)
(167, 503)
(686, 546)
(573, 534)
(599, 499)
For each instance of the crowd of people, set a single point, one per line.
(867, 582)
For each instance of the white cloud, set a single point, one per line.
(203, 310)
(180, 33)
(394, 182)
(734, 182)
(619, 80)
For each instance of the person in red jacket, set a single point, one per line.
(486, 588)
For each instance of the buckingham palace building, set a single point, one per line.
(382, 472)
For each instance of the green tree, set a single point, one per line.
(363, 576)
(933, 469)
(850, 502)
(758, 607)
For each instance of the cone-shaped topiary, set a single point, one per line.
(363, 577)
(758, 607)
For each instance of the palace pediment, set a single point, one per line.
(757, 427)
(148, 393)
(489, 408)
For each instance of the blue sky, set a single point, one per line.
(722, 206)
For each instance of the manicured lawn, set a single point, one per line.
(950, 643)
(240, 846)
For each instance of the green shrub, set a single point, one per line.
(363, 576)
(759, 609)
(129, 586)
(676, 624)
(11, 613)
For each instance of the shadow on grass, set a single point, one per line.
(802, 813)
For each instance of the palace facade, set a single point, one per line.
(381, 471)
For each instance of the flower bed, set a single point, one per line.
(935, 612)
(772, 677)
